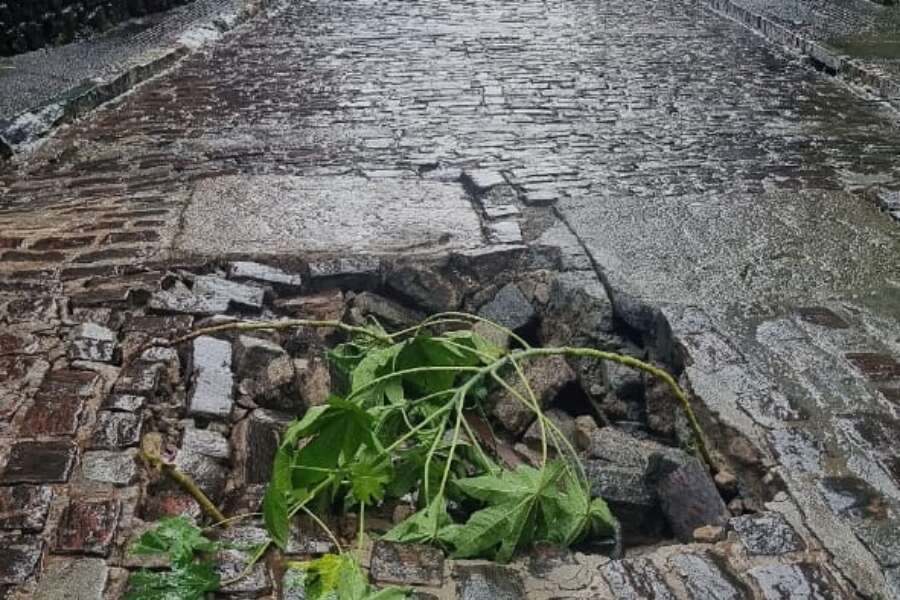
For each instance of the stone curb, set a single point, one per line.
(833, 63)
(28, 128)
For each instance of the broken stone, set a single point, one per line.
(488, 582)
(510, 308)
(563, 421)
(660, 407)
(726, 482)
(116, 430)
(211, 393)
(88, 527)
(140, 378)
(629, 494)
(93, 342)
(495, 336)
(709, 534)
(407, 564)
(392, 315)
(327, 305)
(237, 296)
(313, 381)
(115, 467)
(481, 180)
(624, 399)
(256, 441)
(20, 558)
(128, 403)
(424, 288)
(635, 579)
(504, 232)
(205, 442)
(24, 507)
(180, 300)
(705, 579)
(39, 462)
(208, 473)
(356, 274)
(547, 377)
(232, 563)
(585, 429)
(252, 355)
(767, 534)
(579, 312)
(265, 274)
(802, 581)
(689, 498)
(58, 404)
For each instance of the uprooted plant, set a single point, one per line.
(401, 429)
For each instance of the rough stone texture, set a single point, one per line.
(39, 462)
(205, 442)
(231, 563)
(564, 421)
(407, 564)
(767, 534)
(211, 394)
(392, 315)
(256, 441)
(105, 466)
(19, 558)
(424, 288)
(547, 377)
(235, 295)
(209, 473)
(266, 275)
(71, 579)
(88, 527)
(90, 341)
(24, 507)
(705, 579)
(58, 405)
(117, 430)
(636, 579)
(509, 308)
(801, 581)
(488, 582)
(689, 499)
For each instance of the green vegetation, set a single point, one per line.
(399, 429)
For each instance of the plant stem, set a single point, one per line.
(187, 484)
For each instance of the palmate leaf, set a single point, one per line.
(178, 538)
(369, 477)
(189, 582)
(339, 577)
(423, 526)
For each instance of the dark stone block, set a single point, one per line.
(407, 564)
(116, 430)
(24, 507)
(689, 499)
(636, 579)
(510, 308)
(88, 527)
(767, 534)
(821, 316)
(256, 441)
(20, 558)
(39, 462)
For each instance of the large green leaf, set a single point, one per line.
(178, 538)
(190, 582)
(423, 526)
(340, 577)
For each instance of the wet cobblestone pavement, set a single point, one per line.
(737, 204)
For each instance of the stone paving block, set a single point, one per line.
(212, 393)
(18, 374)
(231, 563)
(52, 416)
(116, 467)
(802, 581)
(509, 308)
(238, 296)
(424, 288)
(541, 198)
(88, 527)
(24, 507)
(205, 442)
(265, 274)
(636, 579)
(126, 403)
(93, 342)
(767, 534)
(487, 582)
(504, 232)
(20, 558)
(706, 579)
(407, 564)
(481, 180)
(116, 430)
(358, 273)
(139, 378)
(66, 578)
(180, 300)
(40, 462)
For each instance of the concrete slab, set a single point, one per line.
(269, 214)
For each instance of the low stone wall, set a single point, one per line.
(33, 24)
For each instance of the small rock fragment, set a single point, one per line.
(767, 534)
(709, 534)
(689, 499)
(92, 342)
(392, 315)
(425, 288)
(265, 274)
(510, 308)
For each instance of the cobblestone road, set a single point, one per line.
(586, 105)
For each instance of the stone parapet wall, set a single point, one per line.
(31, 24)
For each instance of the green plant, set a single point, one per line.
(188, 577)
(400, 430)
